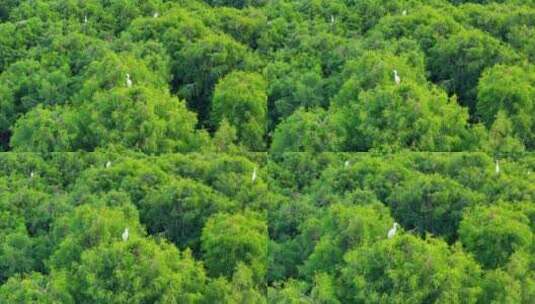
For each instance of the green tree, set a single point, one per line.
(494, 233)
(292, 292)
(425, 23)
(340, 230)
(142, 119)
(45, 129)
(432, 204)
(502, 136)
(137, 271)
(180, 209)
(296, 81)
(235, 3)
(244, 290)
(28, 83)
(88, 227)
(408, 116)
(229, 239)
(6, 8)
(510, 89)
(36, 288)
(16, 255)
(241, 99)
(458, 62)
(324, 290)
(225, 137)
(306, 131)
(200, 64)
(408, 269)
(245, 25)
(38, 210)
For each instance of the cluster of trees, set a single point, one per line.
(308, 228)
(466, 236)
(280, 75)
(150, 76)
(179, 101)
(197, 228)
(465, 77)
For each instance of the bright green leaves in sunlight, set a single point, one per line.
(228, 240)
(494, 233)
(241, 99)
(457, 62)
(267, 151)
(242, 228)
(137, 271)
(508, 92)
(248, 75)
(410, 269)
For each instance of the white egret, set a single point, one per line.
(32, 174)
(85, 18)
(108, 164)
(332, 19)
(156, 15)
(393, 230)
(497, 167)
(128, 81)
(397, 79)
(125, 234)
(253, 178)
(404, 13)
(346, 164)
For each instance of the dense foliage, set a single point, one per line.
(208, 151)
(308, 75)
(307, 228)
(196, 223)
(466, 231)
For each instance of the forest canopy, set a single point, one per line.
(166, 76)
(267, 151)
(257, 228)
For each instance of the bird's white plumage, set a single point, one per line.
(346, 164)
(85, 18)
(404, 13)
(156, 15)
(125, 234)
(108, 164)
(253, 178)
(392, 231)
(32, 174)
(497, 167)
(397, 79)
(128, 81)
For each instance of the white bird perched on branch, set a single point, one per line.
(397, 79)
(22, 22)
(497, 167)
(128, 81)
(156, 15)
(393, 231)
(125, 234)
(253, 178)
(108, 164)
(32, 174)
(346, 164)
(85, 18)
(404, 13)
